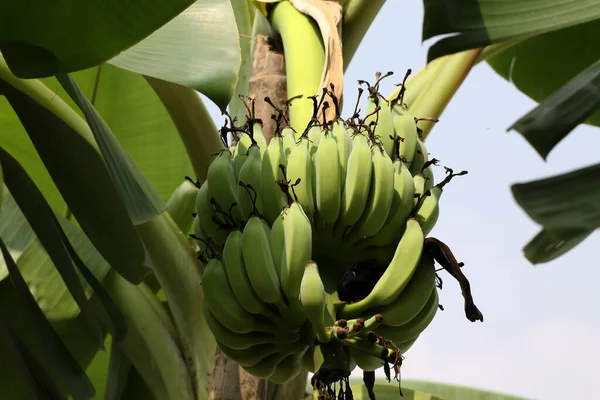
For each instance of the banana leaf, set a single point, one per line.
(41, 38)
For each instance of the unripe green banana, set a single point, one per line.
(241, 153)
(299, 166)
(222, 185)
(266, 367)
(428, 174)
(382, 255)
(233, 261)
(250, 356)
(364, 360)
(223, 304)
(2, 190)
(290, 309)
(414, 327)
(428, 212)
(241, 341)
(314, 138)
(403, 347)
(384, 130)
(277, 242)
(327, 188)
(288, 368)
(211, 222)
(402, 204)
(406, 128)
(297, 249)
(249, 192)
(419, 185)
(381, 194)
(357, 183)
(420, 158)
(413, 298)
(308, 360)
(273, 198)
(206, 246)
(234, 150)
(181, 204)
(292, 312)
(314, 300)
(289, 140)
(344, 144)
(259, 137)
(368, 362)
(259, 261)
(396, 276)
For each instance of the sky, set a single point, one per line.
(540, 338)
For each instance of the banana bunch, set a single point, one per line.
(314, 243)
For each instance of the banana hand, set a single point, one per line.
(396, 276)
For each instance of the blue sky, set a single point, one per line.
(542, 323)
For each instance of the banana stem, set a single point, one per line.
(416, 83)
(373, 349)
(304, 53)
(150, 342)
(178, 272)
(440, 88)
(368, 325)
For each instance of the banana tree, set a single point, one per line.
(125, 211)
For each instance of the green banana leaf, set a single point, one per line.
(137, 117)
(556, 116)
(36, 266)
(123, 381)
(567, 219)
(41, 38)
(14, 230)
(14, 139)
(198, 342)
(563, 64)
(58, 246)
(193, 121)
(47, 342)
(544, 247)
(83, 336)
(553, 60)
(478, 23)
(81, 174)
(200, 48)
(44, 223)
(39, 383)
(139, 197)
